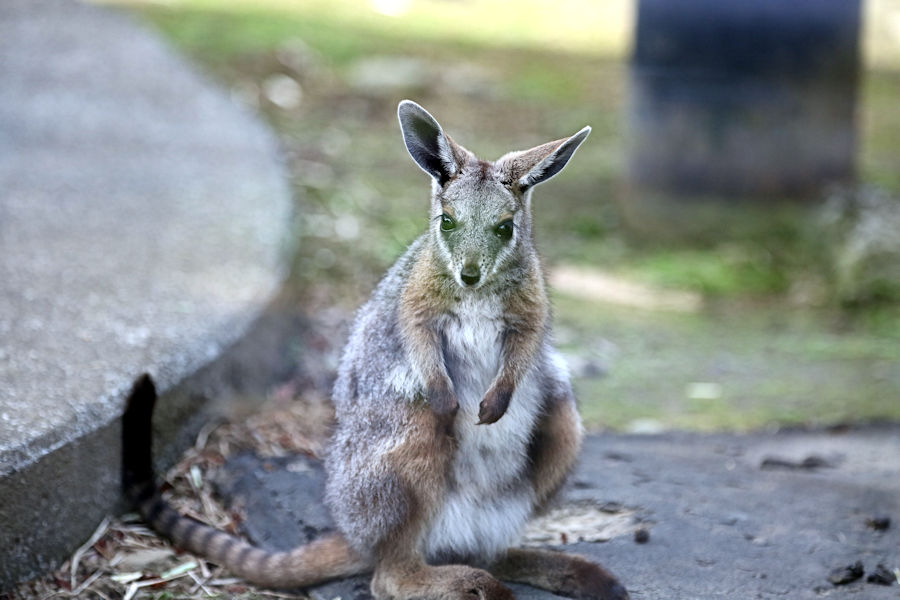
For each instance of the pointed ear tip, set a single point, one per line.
(410, 112)
(409, 107)
(579, 136)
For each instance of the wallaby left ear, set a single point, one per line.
(531, 167)
(429, 146)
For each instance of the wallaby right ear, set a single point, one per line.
(429, 146)
(531, 167)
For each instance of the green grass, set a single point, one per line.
(726, 271)
(774, 367)
(776, 360)
(595, 28)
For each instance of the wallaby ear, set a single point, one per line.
(531, 167)
(429, 146)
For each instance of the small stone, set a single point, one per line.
(641, 536)
(611, 507)
(847, 574)
(614, 455)
(882, 576)
(879, 523)
(810, 463)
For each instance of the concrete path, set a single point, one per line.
(749, 516)
(143, 222)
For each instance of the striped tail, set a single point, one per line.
(329, 557)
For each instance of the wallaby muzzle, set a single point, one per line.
(470, 275)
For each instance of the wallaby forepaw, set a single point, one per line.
(494, 404)
(442, 399)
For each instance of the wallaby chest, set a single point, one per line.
(472, 345)
(488, 497)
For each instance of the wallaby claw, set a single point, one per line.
(494, 405)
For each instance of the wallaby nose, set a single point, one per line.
(470, 274)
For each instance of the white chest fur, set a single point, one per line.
(489, 498)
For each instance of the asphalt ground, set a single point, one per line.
(765, 515)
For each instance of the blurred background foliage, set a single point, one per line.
(772, 313)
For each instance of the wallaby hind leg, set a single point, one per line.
(556, 443)
(567, 574)
(553, 452)
(422, 464)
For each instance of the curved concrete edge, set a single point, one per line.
(144, 227)
(52, 506)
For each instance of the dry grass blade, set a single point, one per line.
(200, 583)
(178, 572)
(76, 557)
(86, 583)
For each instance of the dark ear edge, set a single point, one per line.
(426, 142)
(555, 162)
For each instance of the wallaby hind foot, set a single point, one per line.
(566, 574)
(450, 582)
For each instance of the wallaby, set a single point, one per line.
(455, 417)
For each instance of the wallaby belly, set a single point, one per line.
(489, 497)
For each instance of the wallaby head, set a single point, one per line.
(480, 211)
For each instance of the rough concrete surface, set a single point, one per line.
(143, 225)
(749, 516)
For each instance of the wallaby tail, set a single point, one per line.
(329, 557)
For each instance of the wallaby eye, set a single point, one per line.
(447, 223)
(504, 230)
